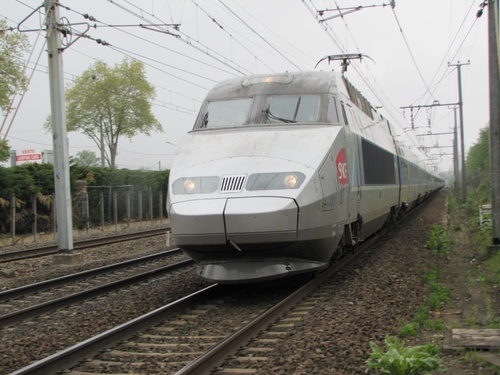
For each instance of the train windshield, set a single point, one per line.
(292, 108)
(226, 113)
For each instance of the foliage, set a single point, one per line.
(86, 158)
(107, 103)
(12, 80)
(439, 293)
(477, 165)
(493, 268)
(37, 180)
(409, 330)
(401, 360)
(439, 240)
(4, 151)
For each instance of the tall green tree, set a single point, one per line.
(13, 45)
(477, 164)
(86, 158)
(107, 103)
(4, 150)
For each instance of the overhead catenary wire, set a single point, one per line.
(411, 53)
(156, 45)
(174, 106)
(285, 41)
(421, 99)
(193, 43)
(224, 28)
(260, 36)
(224, 20)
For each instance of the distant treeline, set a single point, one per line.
(22, 185)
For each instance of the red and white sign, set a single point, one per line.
(28, 156)
(341, 163)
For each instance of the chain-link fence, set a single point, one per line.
(93, 207)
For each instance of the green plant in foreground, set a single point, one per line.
(400, 360)
(439, 240)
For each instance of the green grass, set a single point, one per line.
(439, 240)
(439, 294)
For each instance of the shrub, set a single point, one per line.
(400, 360)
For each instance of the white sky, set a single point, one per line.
(221, 39)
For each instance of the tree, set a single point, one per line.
(4, 151)
(12, 77)
(107, 103)
(86, 158)
(477, 164)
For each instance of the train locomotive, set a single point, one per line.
(283, 173)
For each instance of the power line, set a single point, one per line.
(411, 53)
(260, 36)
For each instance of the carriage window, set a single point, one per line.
(227, 113)
(292, 108)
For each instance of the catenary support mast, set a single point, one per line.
(494, 70)
(58, 112)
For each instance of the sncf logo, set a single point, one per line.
(341, 163)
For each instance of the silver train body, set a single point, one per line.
(284, 172)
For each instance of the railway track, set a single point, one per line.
(28, 301)
(215, 329)
(196, 334)
(79, 245)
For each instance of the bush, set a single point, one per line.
(400, 360)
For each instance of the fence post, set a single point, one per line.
(87, 208)
(102, 210)
(34, 208)
(127, 203)
(140, 207)
(13, 217)
(160, 200)
(115, 208)
(151, 205)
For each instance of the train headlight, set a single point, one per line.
(275, 181)
(195, 185)
(189, 185)
(290, 181)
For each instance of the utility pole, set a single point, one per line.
(455, 151)
(455, 146)
(494, 68)
(59, 133)
(461, 116)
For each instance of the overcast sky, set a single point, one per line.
(411, 47)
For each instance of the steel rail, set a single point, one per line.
(90, 293)
(42, 285)
(219, 352)
(230, 345)
(83, 244)
(215, 355)
(74, 354)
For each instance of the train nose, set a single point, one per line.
(237, 220)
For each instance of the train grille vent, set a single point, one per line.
(232, 184)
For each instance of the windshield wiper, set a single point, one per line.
(269, 115)
(204, 122)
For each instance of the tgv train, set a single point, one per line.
(283, 173)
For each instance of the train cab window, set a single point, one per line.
(333, 112)
(292, 108)
(344, 114)
(226, 113)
